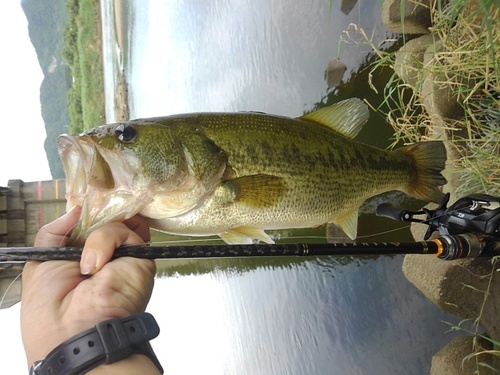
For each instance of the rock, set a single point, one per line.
(450, 360)
(414, 65)
(347, 5)
(334, 73)
(437, 95)
(459, 287)
(415, 18)
(410, 59)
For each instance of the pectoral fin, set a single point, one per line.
(349, 223)
(258, 190)
(245, 235)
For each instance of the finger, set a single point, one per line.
(101, 244)
(56, 232)
(140, 225)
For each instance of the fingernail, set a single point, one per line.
(88, 263)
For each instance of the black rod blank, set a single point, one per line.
(21, 254)
(445, 247)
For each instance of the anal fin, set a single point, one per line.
(245, 236)
(349, 223)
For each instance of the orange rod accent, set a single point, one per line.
(440, 247)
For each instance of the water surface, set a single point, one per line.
(274, 316)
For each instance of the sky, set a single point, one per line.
(21, 143)
(23, 133)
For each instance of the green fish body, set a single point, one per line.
(238, 174)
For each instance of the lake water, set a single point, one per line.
(276, 316)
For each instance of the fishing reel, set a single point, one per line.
(469, 228)
(475, 213)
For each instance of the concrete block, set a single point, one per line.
(415, 18)
(459, 287)
(438, 96)
(410, 59)
(450, 360)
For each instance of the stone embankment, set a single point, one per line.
(469, 289)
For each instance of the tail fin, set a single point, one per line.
(429, 160)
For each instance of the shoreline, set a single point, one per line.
(121, 98)
(122, 111)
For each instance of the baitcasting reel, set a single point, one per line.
(476, 213)
(469, 228)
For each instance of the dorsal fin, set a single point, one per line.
(346, 117)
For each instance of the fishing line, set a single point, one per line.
(9, 287)
(276, 237)
(469, 228)
(384, 232)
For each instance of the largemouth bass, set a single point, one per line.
(238, 174)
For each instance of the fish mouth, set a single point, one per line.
(84, 167)
(90, 183)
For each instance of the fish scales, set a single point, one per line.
(239, 174)
(321, 182)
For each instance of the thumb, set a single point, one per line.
(56, 233)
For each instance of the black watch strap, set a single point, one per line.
(108, 342)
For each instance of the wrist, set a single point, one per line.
(133, 365)
(109, 342)
(39, 342)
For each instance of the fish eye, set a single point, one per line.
(125, 133)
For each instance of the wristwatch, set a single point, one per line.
(108, 342)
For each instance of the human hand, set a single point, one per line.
(58, 301)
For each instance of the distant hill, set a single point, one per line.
(46, 25)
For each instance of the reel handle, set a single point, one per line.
(390, 211)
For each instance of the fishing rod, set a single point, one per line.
(469, 228)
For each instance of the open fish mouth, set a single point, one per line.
(90, 183)
(84, 168)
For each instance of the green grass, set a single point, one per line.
(83, 53)
(467, 64)
(466, 67)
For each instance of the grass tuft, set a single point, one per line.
(461, 69)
